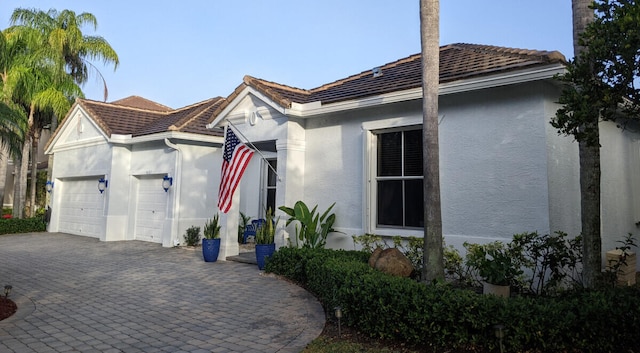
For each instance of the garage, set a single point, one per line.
(81, 207)
(151, 209)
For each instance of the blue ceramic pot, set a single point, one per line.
(210, 249)
(263, 251)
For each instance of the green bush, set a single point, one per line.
(444, 317)
(25, 225)
(192, 236)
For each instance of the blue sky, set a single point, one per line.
(181, 52)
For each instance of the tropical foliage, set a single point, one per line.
(44, 57)
(312, 228)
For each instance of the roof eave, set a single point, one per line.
(132, 140)
(312, 109)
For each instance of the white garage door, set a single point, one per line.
(81, 208)
(150, 210)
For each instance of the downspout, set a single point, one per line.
(176, 204)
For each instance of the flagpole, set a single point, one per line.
(254, 147)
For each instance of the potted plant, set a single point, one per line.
(265, 239)
(497, 266)
(211, 241)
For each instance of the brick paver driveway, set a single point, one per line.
(77, 294)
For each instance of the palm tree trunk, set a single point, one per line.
(4, 161)
(20, 178)
(20, 181)
(34, 173)
(430, 43)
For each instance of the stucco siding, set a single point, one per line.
(620, 177)
(493, 162)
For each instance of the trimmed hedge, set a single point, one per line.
(24, 225)
(439, 315)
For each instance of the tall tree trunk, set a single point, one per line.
(589, 170)
(20, 177)
(430, 43)
(590, 213)
(4, 161)
(34, 173)
(54, 126)
(20, 180)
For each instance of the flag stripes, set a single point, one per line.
(235, 158)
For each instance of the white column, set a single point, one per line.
(229, 231)
(290, 186)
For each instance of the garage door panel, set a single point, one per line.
(81, 208)
(150, 210)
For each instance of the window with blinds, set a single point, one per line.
(399, 179)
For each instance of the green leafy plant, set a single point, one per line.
(313, 228)
(550, 260)
(616, 266)
(265, 234)
(212, 228)
(192, 236)
(242, 225)
(368, 242)
(495, 263)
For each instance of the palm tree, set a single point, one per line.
(589, 151)
(64, 43)
(57, 36)
(430, 43)
(14, 61)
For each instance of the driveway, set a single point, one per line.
(77, 294)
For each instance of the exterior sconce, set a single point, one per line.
(102, 184)
(7, 290)
(49, 186)
(167, 181)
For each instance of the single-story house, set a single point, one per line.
(356, 142)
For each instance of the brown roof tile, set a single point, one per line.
(457, 61)
(123, 119)
(142, 103)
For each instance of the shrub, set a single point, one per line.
(24, 225)
(444, 317)
(192, 236)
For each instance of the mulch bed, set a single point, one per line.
(7, 308)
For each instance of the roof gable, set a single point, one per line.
(126, 117)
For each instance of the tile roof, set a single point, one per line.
(457, 61)
(142, 103)
(120, 118)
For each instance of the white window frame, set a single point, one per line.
(370, 201)
(264, 178)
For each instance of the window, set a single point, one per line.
(270, 187)
(399, 191)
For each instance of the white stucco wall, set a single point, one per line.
(495, 175)
(620, 200)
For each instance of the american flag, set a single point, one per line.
(235, 158)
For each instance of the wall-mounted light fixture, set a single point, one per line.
(167, 181)
(7, 290)
(49, 186)
(102, 184)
